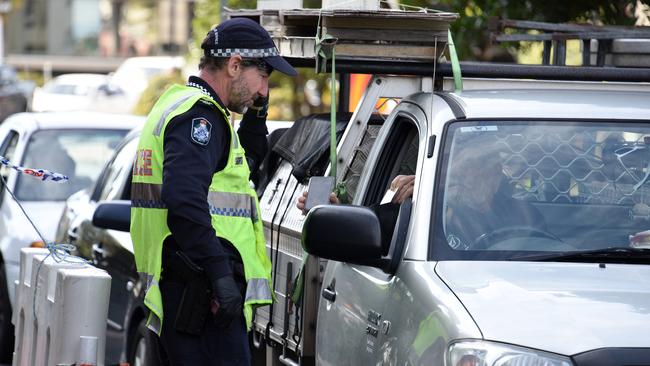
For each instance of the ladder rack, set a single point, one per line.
(371, 35)
(392, 42)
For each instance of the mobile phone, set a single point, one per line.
(318, 192)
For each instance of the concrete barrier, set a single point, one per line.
(61, 310)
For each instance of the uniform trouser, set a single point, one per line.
(214, 347)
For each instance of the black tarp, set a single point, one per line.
(306, 144)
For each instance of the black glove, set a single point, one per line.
(260, 107)
(229, 300)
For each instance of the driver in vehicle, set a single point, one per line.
(401, 188)
(479, 204)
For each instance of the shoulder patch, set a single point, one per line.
(201, 129)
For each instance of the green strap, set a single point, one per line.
(455, 65)
(299, 283)
(325, 48)
(333, 116)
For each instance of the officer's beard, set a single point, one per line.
(239, 95)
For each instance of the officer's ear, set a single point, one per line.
(234, 65)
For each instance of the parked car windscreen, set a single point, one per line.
(508, 190)
(78, 153)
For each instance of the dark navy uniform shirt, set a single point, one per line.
(187, 173)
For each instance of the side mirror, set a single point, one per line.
(343, 233)
(110, 89)
(114, 215)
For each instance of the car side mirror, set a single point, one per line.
(343, 233)
(110, 89)
(114, 215)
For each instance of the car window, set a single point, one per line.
(512, 187)
(7, 75)
(352, 176)
(68, 89)
(78, 153)
(7, 149)
(398, 157)
(116, 173)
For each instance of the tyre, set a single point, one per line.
(143, 348)
(6, 328)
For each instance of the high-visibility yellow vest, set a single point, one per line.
(233, 206)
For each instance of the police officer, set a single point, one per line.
(197, 236)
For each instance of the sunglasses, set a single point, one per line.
(259, 63)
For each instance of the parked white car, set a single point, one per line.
(131, 78)
(70, 92)
(76, 144)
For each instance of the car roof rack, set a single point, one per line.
(382, 42)
(601, 45)
(376, 35)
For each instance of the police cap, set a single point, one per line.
(244, 37)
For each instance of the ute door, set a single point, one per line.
(351, 319)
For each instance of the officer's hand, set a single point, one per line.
(230, 300)
(303, 199)
(260, 106)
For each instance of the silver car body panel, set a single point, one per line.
(565, 308)
(410, 323)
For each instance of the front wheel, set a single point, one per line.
(143, 350)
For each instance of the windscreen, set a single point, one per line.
(68, 89)
(78, 153)
(511, 188)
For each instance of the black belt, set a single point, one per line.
(168, 264)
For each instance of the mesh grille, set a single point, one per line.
(575, 168)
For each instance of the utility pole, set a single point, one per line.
(5, 8)
(172, 36)
(117, 20)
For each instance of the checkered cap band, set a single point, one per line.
(245, 52)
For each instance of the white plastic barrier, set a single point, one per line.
(71, 307)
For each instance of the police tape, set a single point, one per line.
(42, 174)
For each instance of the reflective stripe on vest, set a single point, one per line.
(258, 289)
(161, 122)
(146, 195)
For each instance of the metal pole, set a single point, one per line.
(172, 40)
(5, 8)
(224, 3)
(2, 39)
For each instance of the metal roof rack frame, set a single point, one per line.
(597, 41)
(374, 40)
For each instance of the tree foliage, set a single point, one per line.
(288, 95)
(470, 30)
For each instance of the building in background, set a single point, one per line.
(42, 34)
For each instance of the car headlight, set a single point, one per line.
(484, 353)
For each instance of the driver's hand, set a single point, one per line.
(640, 239)
(402, 185)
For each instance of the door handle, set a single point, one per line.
(98, 252)
(72, 234)
(329, 292)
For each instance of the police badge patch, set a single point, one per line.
(201, 131)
